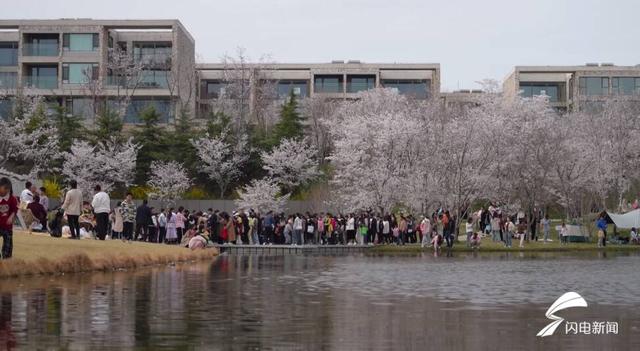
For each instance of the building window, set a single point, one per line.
(8, 54)
(41, 45)
(593, 86)
(79, 73)
(8, 80)
(328, 84)
(41, 77)
(155, 54)
(80, 107)
(360, 83)
(138, 105)
(80, 42)
(212, 89)
(6, 108)
(552, 90)
(625, 85)
(416, 88)
(300, 88)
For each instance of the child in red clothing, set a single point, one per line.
(8, 210)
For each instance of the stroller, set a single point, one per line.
(55, 225)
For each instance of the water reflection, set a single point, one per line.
(473, 301)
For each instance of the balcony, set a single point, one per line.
(40, 82)
(41, 49)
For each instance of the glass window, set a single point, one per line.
(42, 77)
(153, 53)
(8, 54)
(328, 84)
(79, 73)
(625, 85)
(137, 106)
(300, 88)
(415, 88)
(211, 89)
(41, 45)
(6, 108)
(8, 79)
(552, 90)
(80, 42)
(80, 107)
(360, 83)
(592, 86)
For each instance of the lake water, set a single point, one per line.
(354, 302)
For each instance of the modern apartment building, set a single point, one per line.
(83, 64)
(574, 87)
(336, 80)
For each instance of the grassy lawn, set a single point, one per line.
(488, 245)
(42, 254)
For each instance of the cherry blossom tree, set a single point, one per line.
(374, 151)
(107, 164)
(223, 158)
(27, 146)
(291, 163)
(168, 181)
(262, 195)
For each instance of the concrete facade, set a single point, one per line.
(335, 80)
(574, 87)
(48, 46)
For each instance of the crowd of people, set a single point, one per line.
(195, 229)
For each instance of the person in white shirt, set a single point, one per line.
(72, 207)
(26, 196)
(297, 230)
(101, 207)
(469, 230)
(162, 226)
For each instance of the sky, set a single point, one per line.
(471, 40)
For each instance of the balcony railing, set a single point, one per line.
(130, 82)
(328, 88)
(41, 82)
(48, 49)
(357, 87)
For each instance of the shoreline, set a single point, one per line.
(496, 247)
(41, 255)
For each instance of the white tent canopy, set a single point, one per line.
(626, 220)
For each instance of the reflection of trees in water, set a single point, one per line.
(273, 302)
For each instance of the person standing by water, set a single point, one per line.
(162, 226)
(172, 235)
(546, 227)
(8, 211)
(180, 221)
(72, 207)
(522, 230)
(116, 222)
(602, 225)
(509, 230)
(101, 207)
(128, 216)
(469, 230)
(143, 220)
(425, 228)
